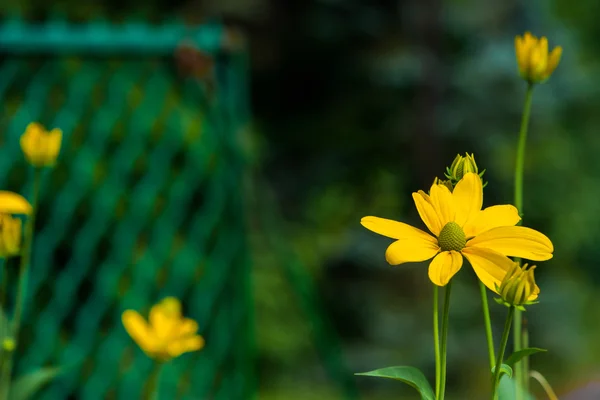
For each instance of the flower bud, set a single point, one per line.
(39, 146)
(462, 166)
(535, 63)
(10, 236)
(518, 288)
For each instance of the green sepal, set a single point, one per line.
(518, 355)
(505, 369)
(409, 375)
(26, 386)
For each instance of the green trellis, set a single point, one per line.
(147, 201)
(144, 203)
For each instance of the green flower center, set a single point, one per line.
(452, 237)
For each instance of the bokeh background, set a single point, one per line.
(225, 151)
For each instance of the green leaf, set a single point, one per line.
(518, 355)
(24, 387)
(504, 370)
(409, 375)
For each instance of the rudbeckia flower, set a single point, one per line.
(39, 146)
(535, 63)
(460, 228)
(167, 334)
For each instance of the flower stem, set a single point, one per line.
(436, 338)
(488, 324)
(22, 284)
(520, 372)
(501, 351)
(444, 340)
(154, 381)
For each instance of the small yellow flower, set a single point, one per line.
(518, 288)
(12, 203)
(167, 335)
(39, 146)
(461, 228)
(535, 63)
(10, 236)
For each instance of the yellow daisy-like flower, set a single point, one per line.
(167, 335)
(461, 228)
(535, 63)
(39, 146)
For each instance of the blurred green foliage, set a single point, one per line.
(359, 103)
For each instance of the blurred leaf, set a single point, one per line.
(518, 355)
(26, 386)
(409, 375)
(504, 369)
(507, 388)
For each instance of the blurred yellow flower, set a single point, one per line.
(535, 63)
(12, 203)
(10, 236)
(518, 288)
(461, 227)
(167, 335)
(39, 146)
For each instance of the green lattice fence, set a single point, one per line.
(145, 203)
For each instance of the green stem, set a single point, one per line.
(154, 385)
(4, 285)
(22, 284)
(501, 351)
(525, 343)
(436, 338)
(444, 340)
(488, 324)
(520, 372)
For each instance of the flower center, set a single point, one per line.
(452, 237)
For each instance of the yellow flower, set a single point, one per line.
(167, 335)
(10, 236)
(461, 228)
(41, 147)
(535, 63)
(12, 203)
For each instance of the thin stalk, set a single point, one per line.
(520, 372)
(436, 338)
(488, 324)
(525, 343)
(22, 285)
(444, 340)
(545, 385)
(154, 384)
(501, 351)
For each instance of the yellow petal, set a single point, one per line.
(394, 229)
(515, 241)
(410, 250)
(492, 217)
(12, 203)
(520, 53)
(444, 266)
(54, 142)
(140, 331)
(427, 212)
(178, 347)
(491, 267)
(534, 295)
(467, 197)
(163, 320)
(553, 60)
(187, 327)
(441, 198)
